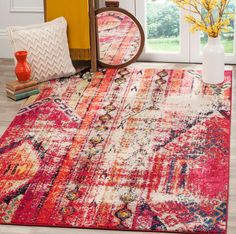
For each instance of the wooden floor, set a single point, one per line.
(9, 108)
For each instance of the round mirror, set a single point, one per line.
(120, 37)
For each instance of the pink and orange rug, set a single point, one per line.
(134, 149)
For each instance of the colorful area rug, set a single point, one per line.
(134, 149)
(119, 37)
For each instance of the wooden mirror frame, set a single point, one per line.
(93, 40)
(142, 39)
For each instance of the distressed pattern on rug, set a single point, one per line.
(134, 149)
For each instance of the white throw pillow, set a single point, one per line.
(47, 46)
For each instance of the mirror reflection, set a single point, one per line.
(119, 38)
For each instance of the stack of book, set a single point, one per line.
(17, 91)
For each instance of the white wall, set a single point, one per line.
(17, 12)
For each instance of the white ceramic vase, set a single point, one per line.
(213, 61)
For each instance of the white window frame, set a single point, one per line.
(190, 46)
(181, 56)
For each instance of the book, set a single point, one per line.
(22, 90)
(16, 85)
(20, 96)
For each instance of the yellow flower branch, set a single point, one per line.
(209, 16)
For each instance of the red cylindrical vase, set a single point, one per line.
(22, 69)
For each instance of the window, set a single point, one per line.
(167, 34)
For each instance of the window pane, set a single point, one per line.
(227, 38)
(163, 26)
